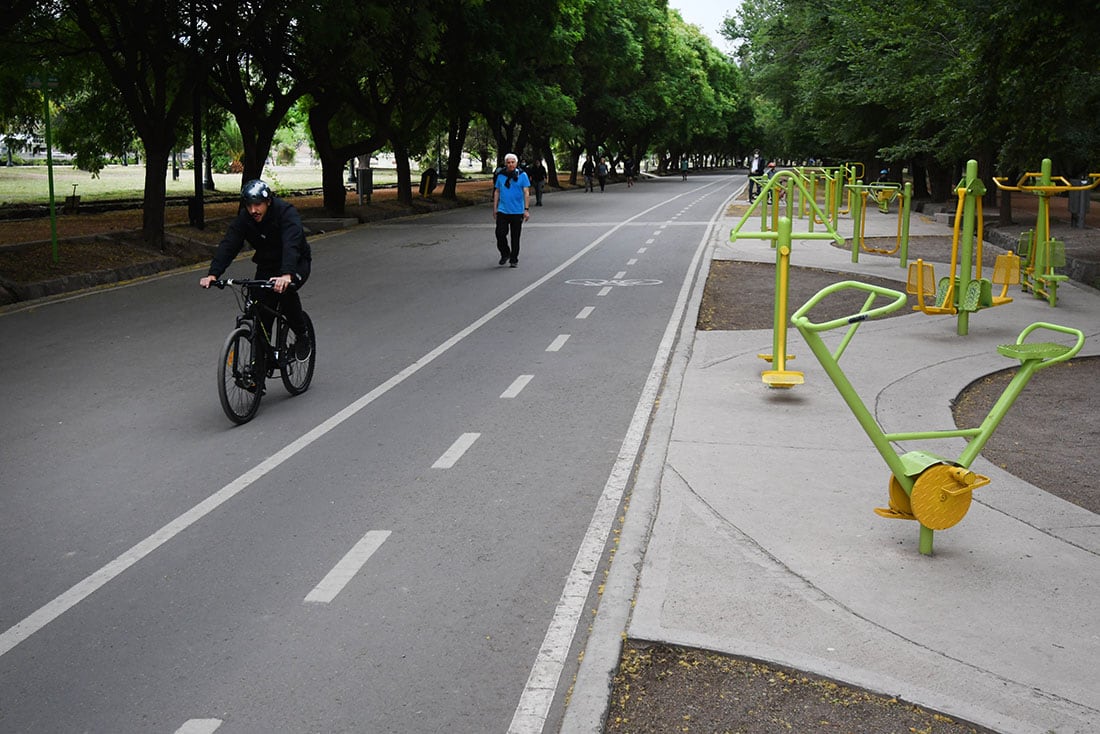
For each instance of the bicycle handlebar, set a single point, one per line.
(800, 320)
(246, 283)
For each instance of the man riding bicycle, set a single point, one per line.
(283, 257)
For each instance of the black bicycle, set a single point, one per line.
(250, 355)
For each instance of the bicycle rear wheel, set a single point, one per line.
(296, 373)
(240, 376)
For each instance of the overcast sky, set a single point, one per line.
(708, 15)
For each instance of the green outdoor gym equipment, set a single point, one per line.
(1039, 253)
(934, 491)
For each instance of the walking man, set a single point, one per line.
(511, 208)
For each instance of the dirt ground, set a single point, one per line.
(1048, 438)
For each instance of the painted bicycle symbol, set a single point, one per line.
(600, 282)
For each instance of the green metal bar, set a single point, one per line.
(1017, 384)
(858, 217)
(925, 435)
(966, 262)
(810, 332)
(852, 330)
(906, 214)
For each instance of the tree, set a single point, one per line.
(257, 74)
(143, 48)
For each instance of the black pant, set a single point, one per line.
(506, 223)
(289, 303)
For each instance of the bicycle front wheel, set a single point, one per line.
(296, 373)
(240, 383)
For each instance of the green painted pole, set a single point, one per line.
(857, 223)
(1042, 221)
(966, 263)
(906, 203)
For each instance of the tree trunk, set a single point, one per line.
(1006, 208)
(404, 175)
(456, 141)
(334, 196)
(152, 212)
(551, 166)
(920, 179)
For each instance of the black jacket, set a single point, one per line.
(279, 241)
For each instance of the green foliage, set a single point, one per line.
(936, 82)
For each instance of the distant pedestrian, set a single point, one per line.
(684, 168)
(756, 168)
(588, 170)
(538, 179)
(601, 173)
(628, 170)
(511, 208)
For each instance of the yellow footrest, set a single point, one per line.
(782, 378)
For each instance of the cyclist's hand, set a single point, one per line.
(206, 280)
(281, 283)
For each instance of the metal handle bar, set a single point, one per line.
(800, 320)
(1057, 183)
(246, 283)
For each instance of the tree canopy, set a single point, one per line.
(925, 85)
(889, 82)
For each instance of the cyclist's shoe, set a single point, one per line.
(302, 348)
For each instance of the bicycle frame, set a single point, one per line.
(252, 310)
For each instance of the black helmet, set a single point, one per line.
(256, 191)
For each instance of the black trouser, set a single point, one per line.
(753, 185)
(509, 223)
(289, 303)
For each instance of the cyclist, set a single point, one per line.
(273, 227)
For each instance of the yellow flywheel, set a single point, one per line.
(942, 494)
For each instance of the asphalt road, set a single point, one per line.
(413, 545)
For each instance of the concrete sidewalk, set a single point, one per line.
(764, 542)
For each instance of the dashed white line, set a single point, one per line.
(604, 291)
(534, 705)
(558, 343)
(650, 241)
(632, 261)
(620, 275)
(458, 448)
(516, 387)
(75, 594)
(344, 571)
(641, 250)
(199, 726)
(586, 312)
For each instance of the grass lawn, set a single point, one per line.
(30, 184)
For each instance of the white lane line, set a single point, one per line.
(620, 275)
(558, 343)
(641, 250)
(542, 683)
(604, 291)
(650, 241)
(516, 387)
(199, 726)
(68, 599)
(586, 312)
(344, 571)
(458, 448)
(632, 261)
